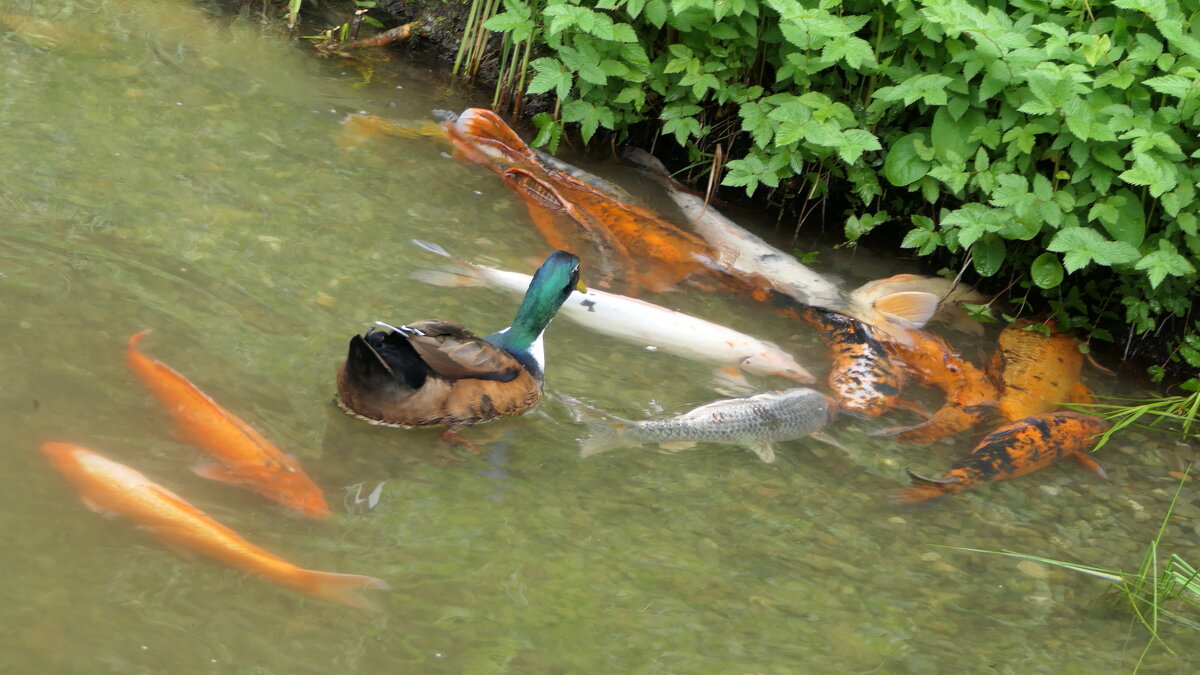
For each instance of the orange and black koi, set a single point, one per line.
(1013, 450)
(862, 378)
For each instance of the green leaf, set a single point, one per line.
(1046, 272)
(987, 255)
(854, 142)
(549, 132)
(903, 166)
(1082, 246)
(1165, 261)
(957, 137)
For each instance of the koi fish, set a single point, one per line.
(970, 394)
(635, 321)
(862, 377)
(1012, 450)
(1036, 372)
(630, 242)
(248, 459)
(112, 488)
(751, 421)
(749, 258)
(950, 296)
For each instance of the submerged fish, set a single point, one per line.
(970, 394)
(636, 321)
(247, 458)
(1012, 450)
(627, 243)
(862, 378)
(752, 421)
(881, 294)
(1036, 372)
(112, 488)
(748, 257)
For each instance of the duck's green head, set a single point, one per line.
(552, 284)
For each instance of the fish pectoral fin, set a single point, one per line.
(764, 450)
(731, 381)
(96, 508)
(216, 472)
(918, 479)
(1091, 464)
(909, 309)
(676, 446)
(829, 440)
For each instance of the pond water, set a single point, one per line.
(165, 168)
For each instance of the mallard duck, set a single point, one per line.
(438, 373)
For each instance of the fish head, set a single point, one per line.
(778, 363)
(64, 456)
(479, 136)
(296, 490)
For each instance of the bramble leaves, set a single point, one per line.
(1025, 135)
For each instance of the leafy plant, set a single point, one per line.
(1049, 142)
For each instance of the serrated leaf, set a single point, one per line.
(1082, 246)
(1165, 261)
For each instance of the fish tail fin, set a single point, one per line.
(646, 161)
(461, 273)
(603, 436)
(605, 430)
(447, 278)
(136, 338)
(343, 589)
(922, 489)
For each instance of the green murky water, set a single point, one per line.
(161, 168)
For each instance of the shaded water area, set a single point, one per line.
(166, 169)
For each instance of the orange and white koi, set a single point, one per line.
(110, 487)
(1012, 450)
(247, 458)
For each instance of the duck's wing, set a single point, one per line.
(455, 353)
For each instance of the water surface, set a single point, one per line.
(165, 168)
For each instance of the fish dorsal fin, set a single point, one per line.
(911, 309)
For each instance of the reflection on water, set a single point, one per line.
(164, 169)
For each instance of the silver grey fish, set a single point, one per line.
(750, 421)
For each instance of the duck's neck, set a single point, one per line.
(526, 329)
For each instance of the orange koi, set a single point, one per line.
(1012, 450)
(970, 394)
(109, 487)
(564, 207)
(248, 458)
(1036, 372)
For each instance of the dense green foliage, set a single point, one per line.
(1038, 140)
